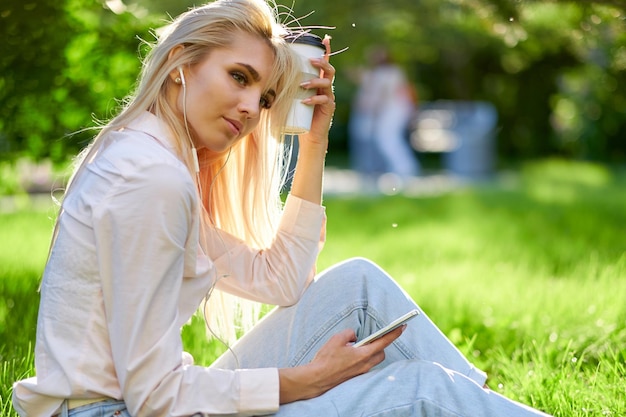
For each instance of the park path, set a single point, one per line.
(338, 183)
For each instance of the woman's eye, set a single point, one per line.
(266, 102)
(240, 78)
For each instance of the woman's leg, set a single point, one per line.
(409, 388)
(390, 136)
(355, 294)
(423, 373)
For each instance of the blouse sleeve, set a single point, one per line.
(279, 274)
(141, 232)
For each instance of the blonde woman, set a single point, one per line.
(177, 201)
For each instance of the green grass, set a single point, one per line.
(525, 276)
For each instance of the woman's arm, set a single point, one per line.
(279, 274)
(336, 362)
(141, 228)
(308, 178)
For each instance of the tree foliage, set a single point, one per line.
(555, 70)
(63, 64)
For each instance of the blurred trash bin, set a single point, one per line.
(463, 131)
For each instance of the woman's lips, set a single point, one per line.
(235, 125)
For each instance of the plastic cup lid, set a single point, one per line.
(305, 38)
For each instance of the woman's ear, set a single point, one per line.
(175, 73)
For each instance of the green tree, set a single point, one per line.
(554, 70)
(64, 63)
(528, 58)
(31, 65)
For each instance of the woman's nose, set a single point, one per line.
(250, 104)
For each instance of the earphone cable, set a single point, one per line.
(194, 154)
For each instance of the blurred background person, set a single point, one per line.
(382, 109)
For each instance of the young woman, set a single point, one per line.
(178, 196)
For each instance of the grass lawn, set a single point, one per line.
(525, 276)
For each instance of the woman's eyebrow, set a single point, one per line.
(256, 76)
(251, 70)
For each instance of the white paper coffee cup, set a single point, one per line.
(307, 46)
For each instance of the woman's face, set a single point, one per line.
(226, 92)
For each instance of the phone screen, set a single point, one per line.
(391, 326)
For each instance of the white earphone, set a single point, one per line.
(194, 153)
(182, 76)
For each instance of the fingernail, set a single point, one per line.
(305, 84)
(307, 100)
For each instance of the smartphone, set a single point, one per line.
(393, 325)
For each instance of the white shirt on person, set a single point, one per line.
(126, 273)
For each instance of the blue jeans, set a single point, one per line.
(108, 408)
(423, 373)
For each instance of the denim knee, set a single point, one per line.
(354, 268)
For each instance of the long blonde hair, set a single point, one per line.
(247, 178)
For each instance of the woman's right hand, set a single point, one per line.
(336, 362)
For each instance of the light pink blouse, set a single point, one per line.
(126, 273)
